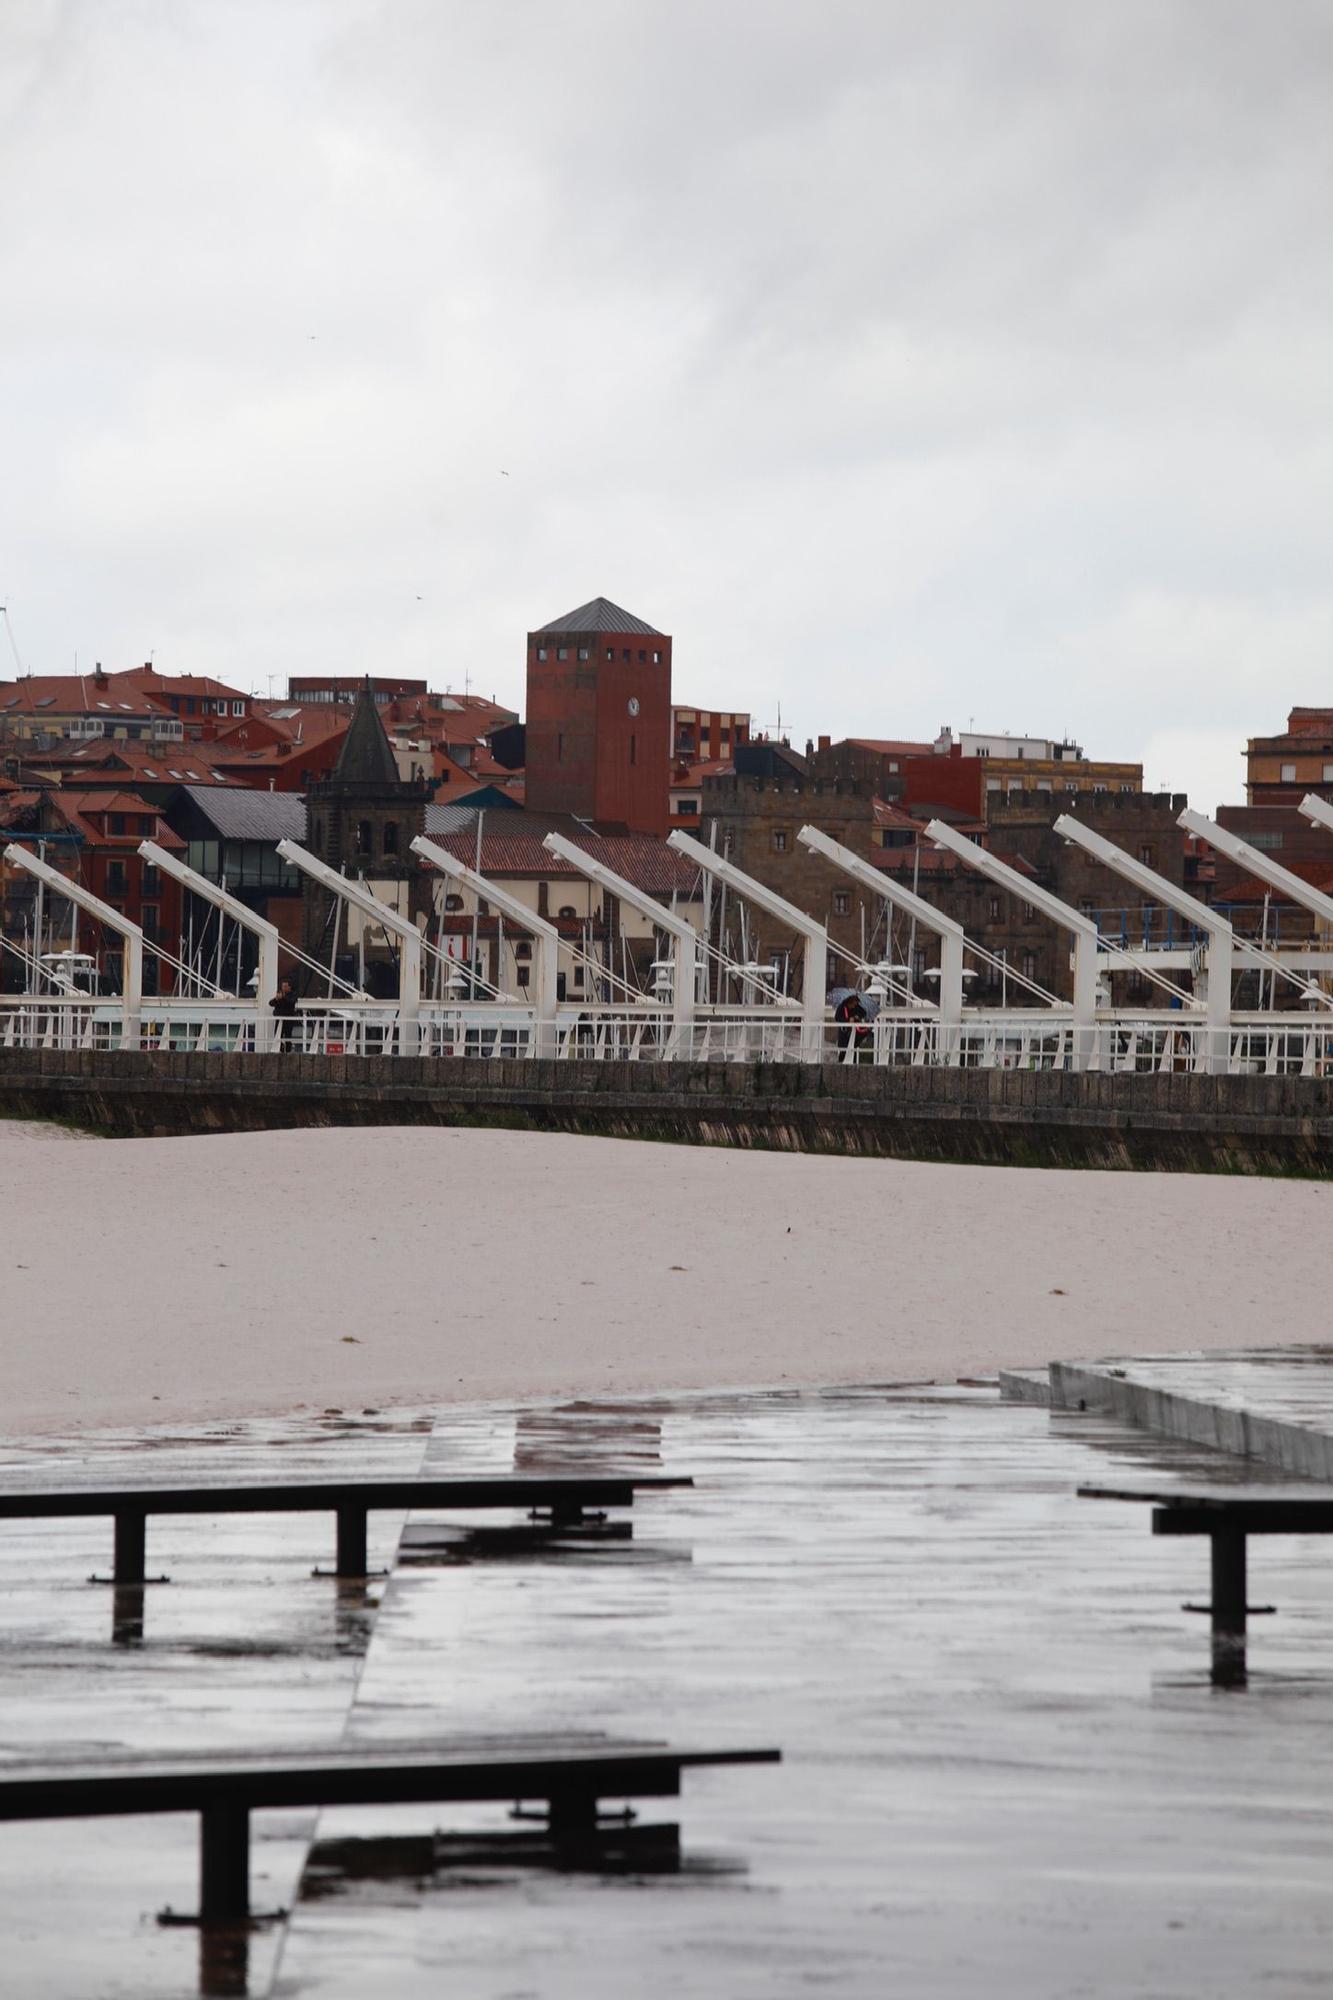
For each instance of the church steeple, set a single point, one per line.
(366, 757)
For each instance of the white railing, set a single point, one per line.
(1168, 1041)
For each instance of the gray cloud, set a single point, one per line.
(907, 362)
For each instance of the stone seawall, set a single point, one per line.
(1251, 1125)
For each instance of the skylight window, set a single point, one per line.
(148, 771)
(125, 705)
(101, 704)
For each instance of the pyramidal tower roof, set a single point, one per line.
(601, 615)
(366, 757)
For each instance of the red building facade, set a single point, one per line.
(599, 718)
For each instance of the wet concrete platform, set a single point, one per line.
(1006, 1770)
(1273, 1404)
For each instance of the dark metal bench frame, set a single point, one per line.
(1228, 1522)
(567, 1500)
(225, 1791)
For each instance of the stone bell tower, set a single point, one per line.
(361, 820)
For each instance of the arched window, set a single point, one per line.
(390, 836)
(567, 914)
(523, 949)
(363, 836)
(453, 902)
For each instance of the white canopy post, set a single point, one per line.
(132, 974)
(409, 937)
(545, 937)
(813, 935)
(951, 935)
(1082, 929)
(266, 977)
(1221, 942)
(684, 937)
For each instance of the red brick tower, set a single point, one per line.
(599, 718)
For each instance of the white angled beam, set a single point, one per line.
(1221, 942)
(1317, 809)
(545, 937)
(814, 936)
(409, 937)
(684, 937)
(1259, 864)
(131, 990)
(1082, 929)
(267, 934)
(951, 935)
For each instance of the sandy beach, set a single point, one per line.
(172, 1279)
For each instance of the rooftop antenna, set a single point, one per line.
(13, 643)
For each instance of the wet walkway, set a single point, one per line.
(1005, 1768)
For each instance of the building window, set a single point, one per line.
(363, 836)
(1146, 853)
(610, 652)
(147, 824)
(578, 975)
(643, 656)
(1028, 965)
(842, 902)
(1266, 840)
(583, 652)
(1327, 778)
(116, 823)
(150, 881)
(1029, 913)
(453, 902)
(562, 652)
(115, 878)
(524, 974)
(657, 659)
(779, 841)
(992, 784)
(624, 654)
(1288, 774)
(1085, 906)
(238, 708)
(541, 652)
(567, 914)
(149, 919)
(634, 749)
(391, 836)
(993, 910)
(523, 949)
(560, 748)
(687, 808)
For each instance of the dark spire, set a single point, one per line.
(366, 757)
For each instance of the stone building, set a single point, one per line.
(755, 824)
(362, 820)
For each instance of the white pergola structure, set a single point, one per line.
(1221, 941)
(813, 935)
(266, 975)
(545, 937)
(1262, 866)
(131, 986)
(1082, 929)
(409, 937)
(684, 937)
(951, 935)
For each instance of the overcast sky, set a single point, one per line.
(908, 363)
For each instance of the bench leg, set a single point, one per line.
(351, 1558)
(131, 1537)
(572, 1818)
(224, 1865)
(1229, 1606)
